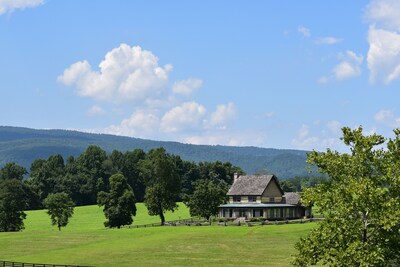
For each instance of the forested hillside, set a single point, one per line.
(23, 146)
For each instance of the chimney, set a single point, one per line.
(235, 176)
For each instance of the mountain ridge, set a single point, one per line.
(23, 145)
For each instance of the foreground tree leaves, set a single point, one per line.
(361, 204)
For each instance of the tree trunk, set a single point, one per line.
(162, 218)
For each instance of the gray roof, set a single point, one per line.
(292, 198)
(250, 185)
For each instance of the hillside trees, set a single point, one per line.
(163, 184)
(86, 175)
(361, 203)
(60, 208)
(119, 203)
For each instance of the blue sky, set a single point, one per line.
(280, 74)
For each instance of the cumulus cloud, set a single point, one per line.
(383, 55)
(95, 111)
(349, 66)
(384, 40)
(223, 115)
(388, 118)
(7, 6)
(187, 115)
(141, 123)
(231, 138)
(384, 13)
(126, 74)
(328, 40)
(304, 31)
(304, 140)
(130, 75)
(187, 87)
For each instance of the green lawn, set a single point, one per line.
(85, 241)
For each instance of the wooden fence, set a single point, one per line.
(181, 222)
(24, 264)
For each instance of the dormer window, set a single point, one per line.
(236, 198)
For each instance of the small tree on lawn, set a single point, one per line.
(361, 204)
(60, 208)
(119, 203)
(207, 196)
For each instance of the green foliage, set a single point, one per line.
(361, 202)
(163, 182)
(12, 171)
(12, 204)
(60, 208)
(207, 196)
(119, 203)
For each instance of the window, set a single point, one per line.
(252, 198)
(236, 199)
(271, 199)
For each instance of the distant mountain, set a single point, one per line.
(23, 145)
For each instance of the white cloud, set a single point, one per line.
(126, 74)
(11, 5)
(349, 67)
(384, 13)
(95, 111)
(221, 137)
(384, 40)
(304, 140)
(383, 55)
(388, 118)
(187, 115)
(304, 31)
(328, 40)
(187, 87)
(141, 124)
(223, 115)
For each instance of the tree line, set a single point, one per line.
(114, 181)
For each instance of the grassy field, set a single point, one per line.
(85, 241)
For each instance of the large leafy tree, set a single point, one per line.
(163, 183)
(12, 171)
(60, 208)
(207, 196)
(361, 203)
(13, 201)
(119, 203)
